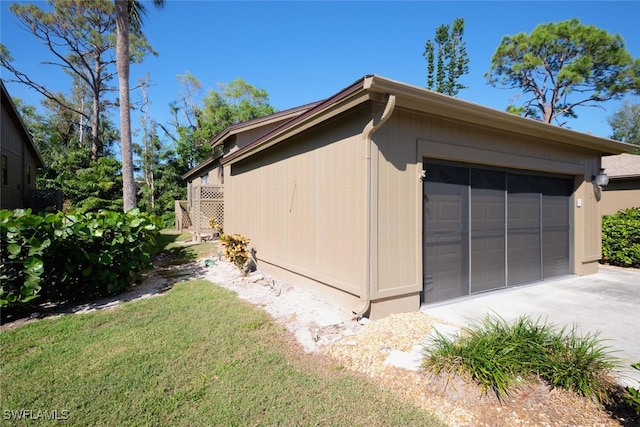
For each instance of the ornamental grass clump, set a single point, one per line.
(498, 355)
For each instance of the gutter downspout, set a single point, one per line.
(367, 133)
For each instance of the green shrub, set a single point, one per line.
(74, 256)
(621, 238)
(497, 354)
(23, 246)
(633, 394)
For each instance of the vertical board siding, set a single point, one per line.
(399, 229)
(302, 204)
(13, 142)
(397, 179)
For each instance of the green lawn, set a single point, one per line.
(196, 356)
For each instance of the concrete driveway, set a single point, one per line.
(607, 302)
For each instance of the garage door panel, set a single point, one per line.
(524, 232)
(446, 222)
(487, 230)
(524, 264)
(556, 206)
(491, 229)
(487, 263)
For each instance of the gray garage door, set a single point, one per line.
(488, 229)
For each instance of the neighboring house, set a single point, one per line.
(623, 190)
(20, 158)
(386, 196)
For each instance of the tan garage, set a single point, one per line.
(386, 196)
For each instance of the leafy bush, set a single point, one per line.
(633, 394)
(621, 238)
(235, 249)
(71, 257)
(497, 355)
(213, 224)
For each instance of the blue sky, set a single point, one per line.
(304, 51)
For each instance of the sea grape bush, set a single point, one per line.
(621, 238)
(66, 257)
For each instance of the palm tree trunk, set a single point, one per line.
(122, 63)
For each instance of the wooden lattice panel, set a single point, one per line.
(211, 192)
(186, 218)
(208, 202)
(211, 209)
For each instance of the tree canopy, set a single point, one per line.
(625, 123)
(451, 61)
(561, 66)
(80, 36)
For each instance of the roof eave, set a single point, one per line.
(259, 122)
(454, 108)
(342, 101)
(200, 167)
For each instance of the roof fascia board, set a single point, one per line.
(343, 101)
(259, 122)
(414, 97)
(202, 166)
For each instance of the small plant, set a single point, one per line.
(497, 354)
(633, 394)
(235, 249)
(217, 228)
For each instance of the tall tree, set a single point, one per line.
(185, 112)
(129, 15)
(195, 122)
(77, 34)
(451, 62)
(80, 36)
(148, 149)
(561, 66)
(625, 123)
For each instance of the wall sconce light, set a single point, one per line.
(601, 179)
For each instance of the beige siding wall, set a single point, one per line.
(243, 139)
(14, 148)
(620, 195)
(302, 204)
(214, 176)
(409, 137)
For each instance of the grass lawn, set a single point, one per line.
(195, 356)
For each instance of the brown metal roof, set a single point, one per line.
(420, 99)
(232, 130)
(319, 107)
